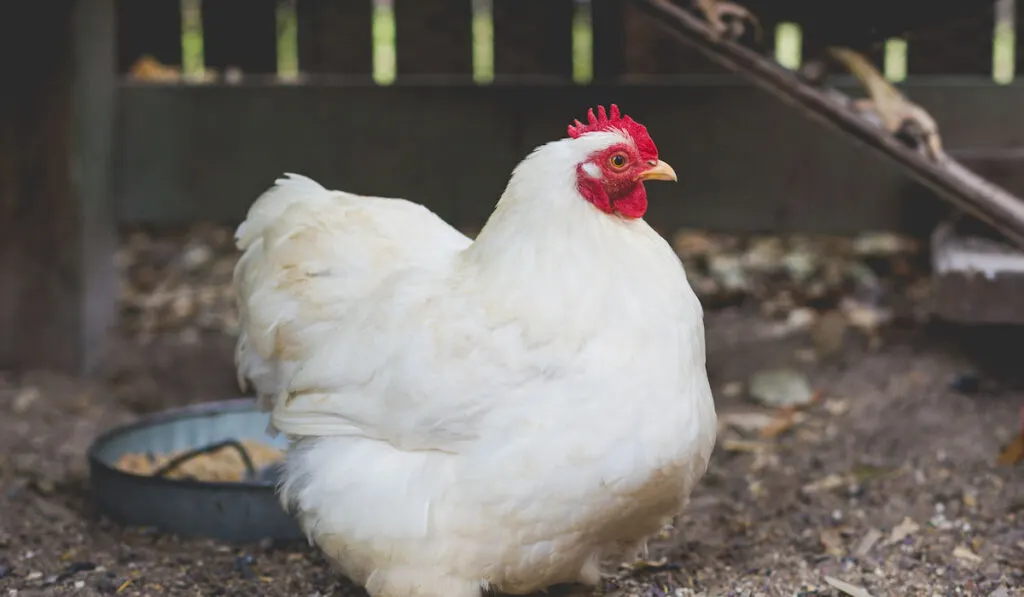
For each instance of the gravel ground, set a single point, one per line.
(885, 479)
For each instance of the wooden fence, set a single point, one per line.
(440, 102)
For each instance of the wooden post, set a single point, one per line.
(57, 235)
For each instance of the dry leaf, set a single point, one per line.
(747, 421)
(837, 407)
(783, 422)
(903, 530)
(962, 552)
(642, 564)
(1013, 453)
(739, 445)
(149, 68)
(847, 588)
(832, 540)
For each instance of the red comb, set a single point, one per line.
(604, 121)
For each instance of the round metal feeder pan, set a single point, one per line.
(242, 512)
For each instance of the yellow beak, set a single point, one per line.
(659, 171)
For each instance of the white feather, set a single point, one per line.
(503, 412)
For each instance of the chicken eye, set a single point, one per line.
(618, 161)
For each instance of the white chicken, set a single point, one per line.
(501, 413)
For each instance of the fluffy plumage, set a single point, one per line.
(502, 412)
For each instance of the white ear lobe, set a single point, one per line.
(592, 170)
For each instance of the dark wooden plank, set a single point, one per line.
(533, 37)
(193, 153)
(148, 27)
(56, 230)
(434, 37)
(963, 47)
(609, 38)
(651, 51)
(336, 37)
(240, 34)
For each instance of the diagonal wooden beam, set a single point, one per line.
(947, 177)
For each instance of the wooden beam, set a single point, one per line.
(57, 277)
(947, 177)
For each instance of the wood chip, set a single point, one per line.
(783, 422)
(846, 587)
(738, 445)
(826, 484)
(903, 530)
(867, 543)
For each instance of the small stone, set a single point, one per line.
(764, 255)
(727, 270)
(781, 388)
(968, 382)
(732, 389)
(76, 567)
(24, 399)
(801, 318)
(866, 318)
(196, 256)
(244, 565)
(800, 265)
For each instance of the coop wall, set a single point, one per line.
(361, 94)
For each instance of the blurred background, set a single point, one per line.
(861, 425)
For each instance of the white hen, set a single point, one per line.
(501, 413)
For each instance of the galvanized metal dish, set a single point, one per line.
(241, 512)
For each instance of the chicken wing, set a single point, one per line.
(898, 114)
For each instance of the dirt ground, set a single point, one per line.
(886, 481)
